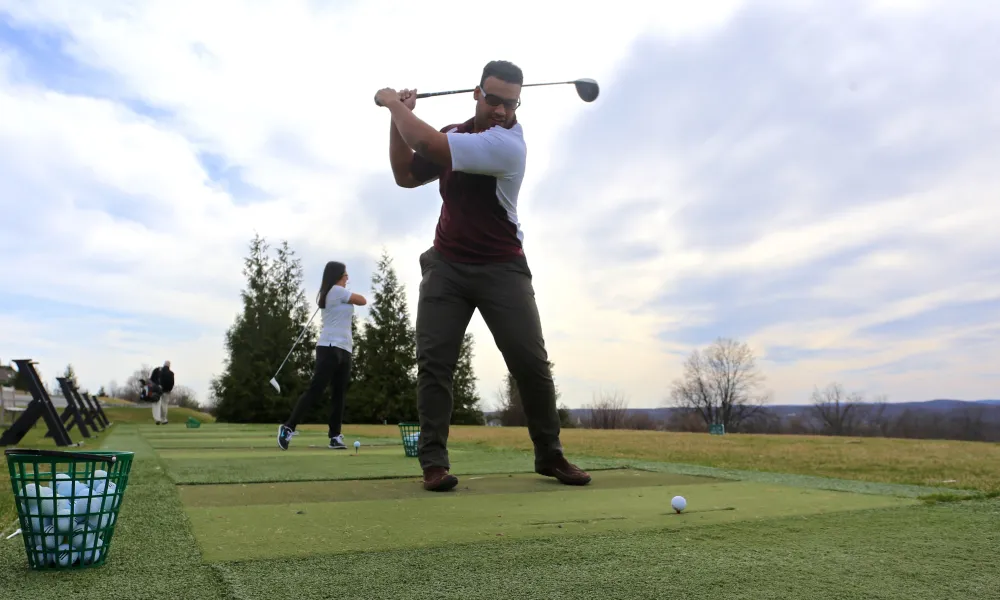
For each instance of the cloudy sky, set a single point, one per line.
(812, 178)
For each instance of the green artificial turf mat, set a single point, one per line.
(251, 532)
(912, 553)
(248, 494)
(273, 450)
(316, 466)
(790, 479)
(259, 442)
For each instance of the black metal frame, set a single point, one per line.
(71, 415)
(40, 406)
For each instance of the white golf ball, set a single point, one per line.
(71, 489)
(64, 521)
(66, 556)
(83, 540)
(92, 553)
(50, 540)
(357, 444)
(46, 508)
(678, 503)
(100, 482)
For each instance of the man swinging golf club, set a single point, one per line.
(476, 261)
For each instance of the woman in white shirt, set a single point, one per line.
(333, 355)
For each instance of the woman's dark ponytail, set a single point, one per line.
(331, 275)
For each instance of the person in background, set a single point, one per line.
(333, 355)
(163, 377)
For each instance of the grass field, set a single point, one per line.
(220, 512)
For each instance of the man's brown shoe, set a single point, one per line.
(438, 479)
(563, 470)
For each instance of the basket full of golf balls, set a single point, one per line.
(67, 504)
(410, 432)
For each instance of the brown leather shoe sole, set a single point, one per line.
(440, 483)
(575, 477)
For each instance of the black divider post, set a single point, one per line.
(40, 406)
(90, 416)
(71, 415)
(100, 411)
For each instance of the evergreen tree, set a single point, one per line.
(511, 410)
(260, 337)
(69, 374)
(511, 407)
(358, 405)
(291, 299)
(465, 397)
(387, 380)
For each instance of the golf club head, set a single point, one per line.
(274, 384)
(587, 89)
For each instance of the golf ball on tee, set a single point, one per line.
(678, 503)
(357, 444)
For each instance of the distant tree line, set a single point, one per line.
(720, 384)
(181, 395)
(510, 410)
(723, 385)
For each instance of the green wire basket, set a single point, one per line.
(67, 504)
(410, 432)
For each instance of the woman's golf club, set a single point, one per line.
(274, 380)
(587, 89)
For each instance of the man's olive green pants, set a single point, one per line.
(503, 293)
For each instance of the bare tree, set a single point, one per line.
(130, 391)
(184, 397)
(838, 412)
(762, 421)
(688, 420)
(608, 411)
(722, 383)
(641, 421)
(879, 423)
(969, 423)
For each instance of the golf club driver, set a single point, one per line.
(587, 89)
(274, 380)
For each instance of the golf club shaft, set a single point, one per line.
(302, 333)
(432, 94)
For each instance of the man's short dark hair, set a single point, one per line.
(502, 70)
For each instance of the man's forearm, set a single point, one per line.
(421, 137)
(400, 155)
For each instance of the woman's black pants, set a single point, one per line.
(333, 368)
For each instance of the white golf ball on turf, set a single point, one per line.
(357, 444)
(678, 503)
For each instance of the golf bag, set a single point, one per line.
(149, 391)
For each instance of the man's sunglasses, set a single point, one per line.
(494, 100)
